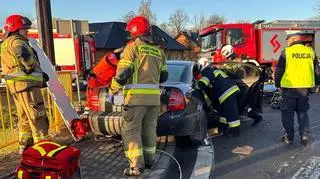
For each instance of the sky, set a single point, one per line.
(114, 10)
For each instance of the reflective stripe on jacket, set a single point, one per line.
(138, 73)
(219, 84)
(299, 70)
(17, 56)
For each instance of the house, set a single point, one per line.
(112, 35)
(189, 40)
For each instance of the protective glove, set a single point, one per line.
(111, 99)
(45, 77)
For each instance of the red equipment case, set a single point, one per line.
(49, 160)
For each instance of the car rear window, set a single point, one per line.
(179, 73)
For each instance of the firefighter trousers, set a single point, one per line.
(33, 122)
(294, 101)
(138, 131)
(229, 113)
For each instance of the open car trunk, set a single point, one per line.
(250, 79)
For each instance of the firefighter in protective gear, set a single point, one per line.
(237, 72)
(221, 92)
(141, 68)
(24, 78)
(295, 76)
(233, 70)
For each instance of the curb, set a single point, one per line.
(203, 165)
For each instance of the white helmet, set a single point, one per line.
(227, 51)
(203, 62)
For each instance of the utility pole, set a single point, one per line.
(44, 20)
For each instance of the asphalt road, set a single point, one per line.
(270, 158)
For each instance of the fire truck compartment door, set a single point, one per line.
(273, 42)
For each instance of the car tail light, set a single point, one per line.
(176, 100)
(93, 99)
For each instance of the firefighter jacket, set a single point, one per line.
(140, 70)
(217, 84)
(20, 64)
(296, 67)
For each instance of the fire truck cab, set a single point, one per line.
(258, 43)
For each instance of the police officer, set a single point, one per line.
(140, 70)
(221, 91)
(24, 78)
(295, 75)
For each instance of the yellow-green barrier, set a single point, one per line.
(9, 133)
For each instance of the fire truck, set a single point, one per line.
(259, 43)
(75, 53)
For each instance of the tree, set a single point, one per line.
(317, 9)
(179, 19)
(145, 10)
(128, 16)
(166, 27)
(199, 22)
(215, 19)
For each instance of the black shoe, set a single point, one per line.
(285, 139)
(148, 165)
(255, 116)
(132, 171)
(304, 139)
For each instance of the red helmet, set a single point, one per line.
(16, 22)
(138, 26)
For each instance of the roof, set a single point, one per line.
(111, 35)
(193, 36)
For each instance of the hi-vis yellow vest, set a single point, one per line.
(299, 71)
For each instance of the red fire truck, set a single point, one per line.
(259, 42)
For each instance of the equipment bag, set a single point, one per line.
(48, 160)
(104, 71)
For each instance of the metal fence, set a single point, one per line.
(9, 118)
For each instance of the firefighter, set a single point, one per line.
(141, 68)
(24, 78)
(295, 76)
(237, 72)
(221, 92)
(233, 70)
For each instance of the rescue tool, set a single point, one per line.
(77, 127)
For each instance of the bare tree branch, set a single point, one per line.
(198, 22)
(145, 10)
(178, 20)
(216, 19)
(166, 27)
(128, 16)
(317, 9)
